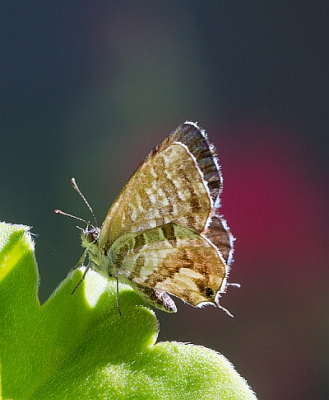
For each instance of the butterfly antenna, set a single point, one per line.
(71, 216)
(75, 186)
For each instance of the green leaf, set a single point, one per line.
(79, 347)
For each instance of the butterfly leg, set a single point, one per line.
(156, 298)
(83, 277)
(118, 305)
(81, 261)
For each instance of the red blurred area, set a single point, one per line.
(274, 195)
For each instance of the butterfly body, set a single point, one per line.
(164, 234)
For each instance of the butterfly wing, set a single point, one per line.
(164, 232)
(172, 259)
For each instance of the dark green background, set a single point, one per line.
(88, 88)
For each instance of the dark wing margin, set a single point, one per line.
(196, 140)
(220, 235)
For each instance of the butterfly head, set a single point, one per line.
(90, 236)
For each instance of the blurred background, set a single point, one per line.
(89, 88)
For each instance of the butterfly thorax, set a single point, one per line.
(97, 256)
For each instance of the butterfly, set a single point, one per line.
(164, 234)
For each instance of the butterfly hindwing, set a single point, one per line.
(173, 259)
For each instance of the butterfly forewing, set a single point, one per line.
(167, 187)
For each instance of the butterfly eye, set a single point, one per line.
(209, 292)
(90, 237)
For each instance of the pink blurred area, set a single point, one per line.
(276, 196)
